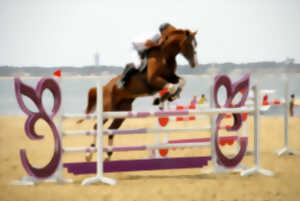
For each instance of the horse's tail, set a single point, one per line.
(92, 101)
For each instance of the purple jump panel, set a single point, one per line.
(195, 140)
(138, 165)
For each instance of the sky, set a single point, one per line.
(69, 32)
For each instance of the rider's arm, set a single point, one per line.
(153, 41)
(150, 43)
(156, 38)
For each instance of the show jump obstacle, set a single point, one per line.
(53, 170)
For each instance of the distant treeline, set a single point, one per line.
(265, 67)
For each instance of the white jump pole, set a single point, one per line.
(217, 169)
(99, 177)
(286, 149)
(256, 169)
(245, 133)
(57, 177)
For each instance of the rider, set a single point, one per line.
(142, 47)
(140, 53)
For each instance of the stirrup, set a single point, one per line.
(143, 65)
(120, 84)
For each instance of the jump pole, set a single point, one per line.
(286, 149)
(99, 177)
(256, 151)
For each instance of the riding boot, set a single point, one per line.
(143, 65)
(122, 82)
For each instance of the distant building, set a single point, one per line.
(289, 61)
(97, 59)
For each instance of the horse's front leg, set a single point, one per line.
(173, 90)
(176, 94)
(157, 81)
(114, 125)
(160, 83)
(124, 105)
(89, 154)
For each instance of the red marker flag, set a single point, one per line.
(57, 73)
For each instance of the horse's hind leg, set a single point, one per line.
(114, 125)
(125, 105)
(91, 102)
(95, 128)
(89, 155)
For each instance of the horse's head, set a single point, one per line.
(181, 41)
(188, 48)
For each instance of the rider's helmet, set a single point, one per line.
(164, 26)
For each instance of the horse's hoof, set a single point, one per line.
(107, 159)
(88, 156)
(79, 121)
(156, 101)
(172, 98)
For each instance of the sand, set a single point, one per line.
(187, 184)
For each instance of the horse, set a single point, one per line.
(159, 74)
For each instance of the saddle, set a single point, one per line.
(131, 70)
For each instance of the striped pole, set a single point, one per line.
(140, 147)
(204, 111)
(137, 131)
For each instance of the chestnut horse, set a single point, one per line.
(159, 74)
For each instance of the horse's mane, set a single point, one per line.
(178, 31)
(165, 36)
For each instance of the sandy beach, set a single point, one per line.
(186, 184)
